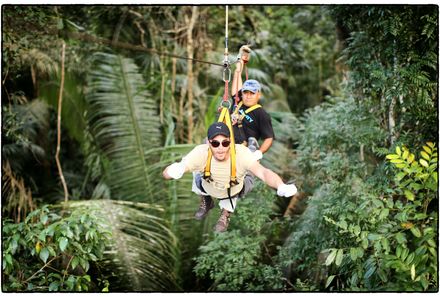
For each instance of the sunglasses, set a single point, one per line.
(216, 143)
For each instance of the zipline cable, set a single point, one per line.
(129, 46)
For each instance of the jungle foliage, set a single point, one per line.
(353, 96)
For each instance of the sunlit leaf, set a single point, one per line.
(331, 257)
(63, 243)
(409, 195)
(396, 161)
(416, 232)
(392, 156)
(405, 154)
(424, 163)
(427, 149)
(425, 156)
(353, 254)
(44, 254)
(329, 280)
(398, 151)
(339, 257)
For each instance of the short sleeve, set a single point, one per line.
(246, 156)
(195, 160)
(265, 123)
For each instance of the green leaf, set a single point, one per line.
(409, 195)
(413, 272)
(365, 243)
(329, 280)
(425, 156)
(384, 213)
(400, 175)
(43, 219)
(398, 151)
(400, 237)
(339, 257)
(427, 149)
(360, 252)
(54, 286)
(356, 230)
(44, 254)
(398, 251)
(370, 272)
(51, 251)
(416, 232)
(424, 163)
(385, 244)
(402, 165)
(415, 186)
(63, 243)
(353, 254)
(8, 259)
(75, 262)
(392, 156)
(382, 275)
(411, 158)
(405, 154)
(410, 259)
(396, 161)
(430, 144)
(343, 225)
(378, 203)
(331, 257)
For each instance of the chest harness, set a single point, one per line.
(237, 119)
(225, 118)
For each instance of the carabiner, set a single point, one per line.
(227, 73)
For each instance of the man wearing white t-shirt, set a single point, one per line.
(219, 185)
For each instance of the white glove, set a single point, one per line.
(258, 155)
(286, 190)
(176, 170)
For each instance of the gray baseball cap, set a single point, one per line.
(251, 85)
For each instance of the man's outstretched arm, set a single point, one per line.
(273, 180)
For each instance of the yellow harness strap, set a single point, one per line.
(225, 118)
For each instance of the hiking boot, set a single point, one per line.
(223, 221)
(206, 204)
(252, 144)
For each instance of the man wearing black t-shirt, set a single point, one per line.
(249, 118)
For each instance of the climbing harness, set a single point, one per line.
(225, 118)
(237, 119)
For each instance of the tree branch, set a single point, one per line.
(60, 100)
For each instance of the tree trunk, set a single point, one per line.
(190, 74)
(392, 120)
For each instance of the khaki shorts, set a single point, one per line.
(248, 185)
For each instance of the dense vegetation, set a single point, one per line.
(353, 95)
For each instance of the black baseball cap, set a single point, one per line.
(218, 128)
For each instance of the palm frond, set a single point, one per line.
(125, 123)
(141, 256)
